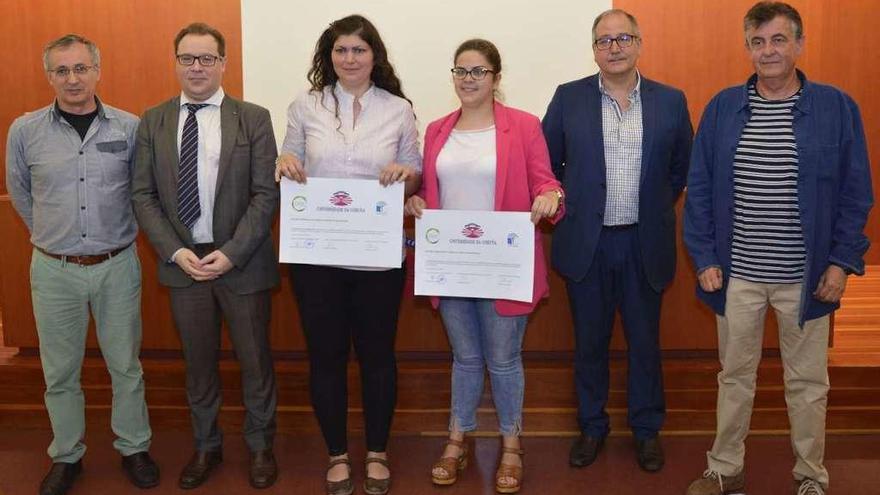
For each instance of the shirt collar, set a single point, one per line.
(345, 96)
(216, 99)
(54, 110)
(632, 94)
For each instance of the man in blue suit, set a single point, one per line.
(620, 144)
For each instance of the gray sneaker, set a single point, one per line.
(715, 483)
(808, 486)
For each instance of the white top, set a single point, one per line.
(331, 146)
(466, 170)
(328, 146)
(208, 160)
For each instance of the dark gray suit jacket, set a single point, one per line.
(246, 193)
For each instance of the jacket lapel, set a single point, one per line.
(169, 146)
(649, 116)
(432, 188)
(167, 152)
(502, 152)
(595, 140)
(229, 122)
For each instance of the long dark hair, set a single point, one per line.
(321, 74)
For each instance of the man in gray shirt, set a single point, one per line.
(68, 171)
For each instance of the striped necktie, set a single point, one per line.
(188, 209)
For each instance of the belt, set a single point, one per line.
(619, 227)
(84, 259)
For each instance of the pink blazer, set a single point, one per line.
(523, 173)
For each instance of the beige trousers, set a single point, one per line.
(805, 363)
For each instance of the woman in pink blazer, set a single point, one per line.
(486, 156)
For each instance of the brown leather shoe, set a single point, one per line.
(649, 454)
(264, 470)
(341, 487)
(584, 450)
(376, 486)
(715, 483)
(60, 478)
(198, 468)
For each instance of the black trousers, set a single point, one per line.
(339, 307)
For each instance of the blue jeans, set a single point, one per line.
(480, 337)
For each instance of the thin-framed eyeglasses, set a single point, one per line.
(78, 69)
(623, 41)
(204, 60)
(477, 73)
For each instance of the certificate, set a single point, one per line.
(484, 254)
(341, 222)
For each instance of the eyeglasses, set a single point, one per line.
(204, 60)
(78, 69)
(477, 73)
(759, 43)
(623, 41)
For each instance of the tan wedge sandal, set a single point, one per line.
(509, 471)
(450, 465)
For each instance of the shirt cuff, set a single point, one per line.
(171, 259)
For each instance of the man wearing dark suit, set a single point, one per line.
(620, 145)
(204, 193)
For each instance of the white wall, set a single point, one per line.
(542, 44)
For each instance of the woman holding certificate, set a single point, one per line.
(356, 123)
(463, 171)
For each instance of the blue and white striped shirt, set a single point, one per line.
(768, 244)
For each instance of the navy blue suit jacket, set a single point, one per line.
(573, 128)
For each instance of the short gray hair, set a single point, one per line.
(632, 20)
(68, 40)
(763, 12)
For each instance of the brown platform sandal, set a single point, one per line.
(375, 486)
(341, 487)
(509, 471)
(451, 465)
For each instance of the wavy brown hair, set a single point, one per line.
(321, 74)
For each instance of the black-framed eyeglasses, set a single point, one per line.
(204, 60)
(623, 41)
(78, 69)
(477, 73)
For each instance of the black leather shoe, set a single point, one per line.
(198, 468)
(141, 470)
(60, 478)
(264, 470)
(649, 454)
(584, 450)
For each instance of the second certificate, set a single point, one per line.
(342, 222)
(483, 254)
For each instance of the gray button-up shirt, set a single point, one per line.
(74, 194)
(622, 134)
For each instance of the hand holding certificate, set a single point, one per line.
(485, 254)
(343, 222)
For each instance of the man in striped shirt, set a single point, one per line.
(779, 191)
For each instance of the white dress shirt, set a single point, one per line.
(338, 147)
(622, 135)
(208, 163)
(385, 132)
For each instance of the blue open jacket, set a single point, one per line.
(834, 187)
